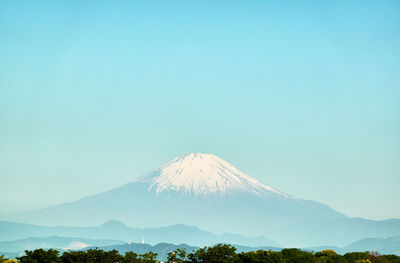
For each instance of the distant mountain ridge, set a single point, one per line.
(381, 245)
(114, 230)
(384, 245)
(205, 191)
(55, 242)
(389, 245)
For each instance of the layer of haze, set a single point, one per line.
(302, 95)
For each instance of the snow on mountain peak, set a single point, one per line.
(201, 174)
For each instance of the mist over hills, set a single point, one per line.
(205, 191)
(189, 238)
(14, 248)
(384, 245)
(114, 230)
(389, 245)
(63, 243)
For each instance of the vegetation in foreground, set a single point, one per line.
(220, 253)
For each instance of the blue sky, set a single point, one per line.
(302, 95)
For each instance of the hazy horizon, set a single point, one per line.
(302, 96)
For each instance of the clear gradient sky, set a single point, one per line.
(302, 95)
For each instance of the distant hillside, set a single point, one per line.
(114, 232)
(16, 248)
(381, 245)
(386, 245)
(177, 234)
(53, 242)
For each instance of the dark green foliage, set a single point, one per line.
(261, 256)
(149, 257)
(74, 257)
(328, 256)
(178, 256)
(295, 255)
(220, 253)
(40, 256)
(131, 257)
(391, 258)
(356, 256)
(91, 256)
(100, 256)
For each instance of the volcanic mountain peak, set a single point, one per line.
(201, 174)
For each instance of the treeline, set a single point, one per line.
(220, 253)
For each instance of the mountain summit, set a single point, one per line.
(203, 174)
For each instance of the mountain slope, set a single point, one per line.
(205, 191)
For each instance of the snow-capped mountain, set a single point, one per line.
(203, 174)
(205, 191)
